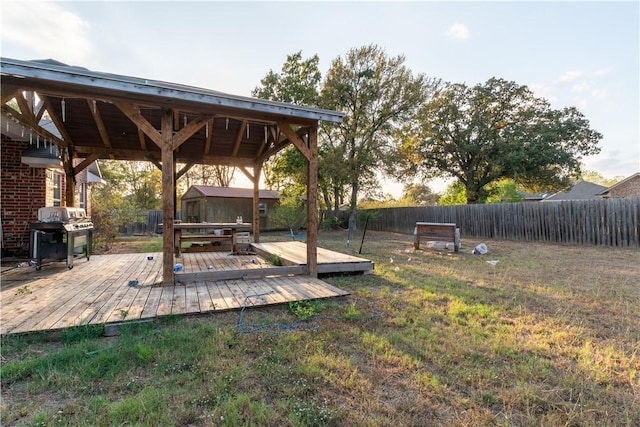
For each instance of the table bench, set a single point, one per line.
(195, 232)
(437, 232)
(204, 238)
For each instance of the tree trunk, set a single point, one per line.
(353, 226)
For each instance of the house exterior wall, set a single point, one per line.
(24, 191)
(630, 188)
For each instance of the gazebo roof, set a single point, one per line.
(100, 114)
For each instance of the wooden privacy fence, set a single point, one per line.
(151, 226)
(607, 222)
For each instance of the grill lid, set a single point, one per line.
(61, 214)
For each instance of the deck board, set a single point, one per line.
(295, 253)
(101, 290)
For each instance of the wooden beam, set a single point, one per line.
(185, 169)
(168, 190)
(295, 139)
(8, 92)
(209, 136)
(25, 108)
(133, 113)
(97, 118)
(256, 203)
(66, 156)
(273, 150)
(155, 161)
(143, 140)
(56, 120)
(132, 154)
(239, 136)
(312, 203)
(187, 132)
(246, 172)
(84, 163)
(28, 122)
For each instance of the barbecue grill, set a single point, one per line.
(60, 234)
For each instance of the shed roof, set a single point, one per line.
(230, 192)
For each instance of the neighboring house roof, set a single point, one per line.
(229, 192)
(621, 183)
(532, 197)
(94, 175)
(580, 190)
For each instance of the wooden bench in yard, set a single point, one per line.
(437, 232)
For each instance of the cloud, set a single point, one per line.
(570, 76)
(543, 91)
(46, 29)
(458, 31)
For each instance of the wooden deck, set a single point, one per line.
(295, 253)
(116, 288)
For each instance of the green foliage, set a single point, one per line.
(501, 191)
(378, 94)
(306, 309)
(496, 130)
(131, 190)
(216, 175)
(332, 223)
(418, 195)
(290, 213)
(455, 194)
(297, 82)
(596, 178)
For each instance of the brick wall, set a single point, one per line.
(23, 193)
(630, 188)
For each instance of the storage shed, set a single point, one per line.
(224, 204)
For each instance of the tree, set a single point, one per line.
(296, 83)
(217, 175)
(378, 94)
(497, 130)
(419, 195)
(140, 182)
(455, 194)
(596, 178)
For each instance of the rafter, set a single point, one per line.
(8, 92)
(133, 113)
(28, 123)
(56, 120)
(188, 131)
(97, 118)
(239, 136)
(142, 139)
(207, 145)
(295, 139)
(185, 169)
(86, 162)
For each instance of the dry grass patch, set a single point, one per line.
(547, 336)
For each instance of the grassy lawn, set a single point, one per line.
(549, 336)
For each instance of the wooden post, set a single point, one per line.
(256, 202)
(168, 190)
(70, 179)
(312, 203)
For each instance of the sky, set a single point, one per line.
(581, 54)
